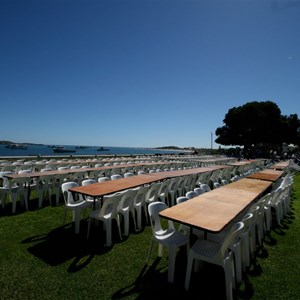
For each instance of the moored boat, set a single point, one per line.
(16, 146)
(102, 149)
(63, 150)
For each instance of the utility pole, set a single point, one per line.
(211, 140)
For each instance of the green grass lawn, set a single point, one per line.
(42, 258)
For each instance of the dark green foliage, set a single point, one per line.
(256, 123)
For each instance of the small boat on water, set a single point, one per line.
(16, 146)
(61, 149)
(102, 149)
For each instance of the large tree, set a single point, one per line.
(257, 123)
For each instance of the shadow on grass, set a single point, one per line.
(62, 244)
(152, 283)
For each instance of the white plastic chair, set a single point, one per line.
(128, 174)
(199, 190)
(172, 193)
(191, 194)
(107, 213)
(181, 186)
(165, 237)
(75, 206)
(57, 181)
(43, 187)
(218, 253)
(20, 188)
(205, 187)
(86, 182)
(140, 205)
(253, 238)
(152, 194)
(102, 179)
(126, 209)
(163, 191)
(183, 228)
(246, 258)
(216, 184)
(115, 177)
(4, 187)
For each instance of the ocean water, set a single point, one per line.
(45, 150)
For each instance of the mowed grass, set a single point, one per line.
(42, 258)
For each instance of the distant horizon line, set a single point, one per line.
(4, 142)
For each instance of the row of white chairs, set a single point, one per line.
(234, 248)
(48, 187)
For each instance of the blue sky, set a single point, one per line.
(142, 73)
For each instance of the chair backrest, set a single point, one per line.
(181, 199)
(205, 186)
(199, 190)
(152, 194)
(153, 209)
(4, 182)
(191, 194)
(163, 190)
(68, 196)
(88, 181)
(102, 179)
(173, 184)
(128, 174)
(233, 238)
(22, 182)
(116, 176)
(247, 220)
(217, 185)
(127, 199)
(140, 196)
(62, 168)
(110, 205)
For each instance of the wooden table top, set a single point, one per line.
(280, 165)
(244, 162)
(103, 168)
(108, 187)
(267, 174)
(112, 186)
(213, 210)
(69, 171)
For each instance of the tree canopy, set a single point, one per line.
(258, 123)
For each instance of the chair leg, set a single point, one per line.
(150, 250)
(139, 218)
(228, 278)
(119, 228)
(76, 219)
(160, 250)
(134, 219)
(188, 272)
(126, 224)
(89, 228)
(238, 265)
(13, 199)
(171, 264)
(108, 234)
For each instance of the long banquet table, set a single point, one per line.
(267, 174)
(280, 165)
(101, 189)
(213, 210)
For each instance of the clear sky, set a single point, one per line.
(142, 73)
